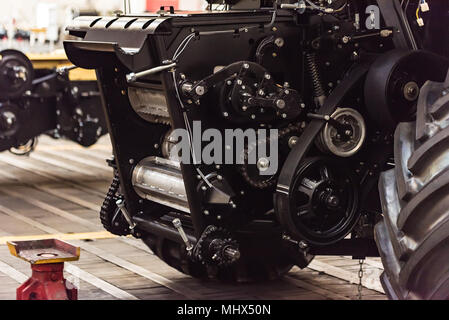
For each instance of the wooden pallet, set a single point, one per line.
(57, 192)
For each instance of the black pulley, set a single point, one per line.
(323, 203)
(393, 84)
(16, 74)
(9, 122)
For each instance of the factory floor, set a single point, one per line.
(57, 192)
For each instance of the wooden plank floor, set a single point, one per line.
(57, 192)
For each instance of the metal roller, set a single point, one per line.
(160, 180)
(149, 104)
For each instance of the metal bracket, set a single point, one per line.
(133, 77)
(121, 205)
(178, 225)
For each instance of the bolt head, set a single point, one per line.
(279, 42)
(280, 104)
(293, 141)
(263, 164)
(303, 245)
(200, 90)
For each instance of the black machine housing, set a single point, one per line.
(323, 65)
(38, 101)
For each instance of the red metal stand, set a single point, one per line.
(47, 264)
(47, 283)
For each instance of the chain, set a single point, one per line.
(360, 287)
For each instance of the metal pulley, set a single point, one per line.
(323, 203)
(393, 84)
(16, 74)
(345, 135)
(8, 119)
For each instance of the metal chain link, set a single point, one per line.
(360, 286)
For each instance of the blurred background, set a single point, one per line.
(37, 26)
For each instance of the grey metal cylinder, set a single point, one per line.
(160, 180)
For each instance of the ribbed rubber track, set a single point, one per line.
(413, 238)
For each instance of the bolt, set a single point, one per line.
(267, 76)
(333, 201)
(280, 104)
(206, 212)
(204, 188)
(279, 42)
(244, 108)
(253, 116)
(239, 82)
(200, 90)
(263, 164)
(131, 161)
(293, 141)
(246, 66)
(225, 114)
(303, 245)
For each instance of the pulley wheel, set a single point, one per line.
(9, 122)
(393, 84)
(350, 141)
(16, 74)
(323, 203)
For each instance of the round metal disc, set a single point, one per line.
(16, 74)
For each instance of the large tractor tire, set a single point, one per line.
(413, 238)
